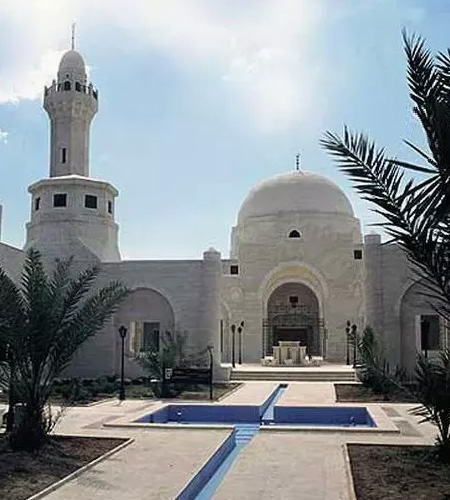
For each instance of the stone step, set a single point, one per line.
(299, 376)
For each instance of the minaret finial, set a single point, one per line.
(297, 162)
(73, 37)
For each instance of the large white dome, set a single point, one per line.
(295, 192)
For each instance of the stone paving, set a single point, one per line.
(156, 466)
(308, 393)
(275, 465)
(251, 393)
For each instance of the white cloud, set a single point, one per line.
(258, 48)
(3, 136)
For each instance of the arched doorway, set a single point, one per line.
(293, 314)
(422, 329)
(148, 315)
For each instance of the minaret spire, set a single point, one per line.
(297, 162)
(72, 44)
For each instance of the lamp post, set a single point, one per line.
(347, 334)
(123, 334)
(233, 339)
(354, 328)
(240, 328)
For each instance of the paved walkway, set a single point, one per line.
(251, 393)
(156, 466)
(308, 393)
(286, 466)
(275, 465)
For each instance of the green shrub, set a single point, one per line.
(432, 390)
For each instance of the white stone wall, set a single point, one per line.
(11, 260)
(323, 259)
(190, 287)
(74, 229)
(71, 113)
(392, 303)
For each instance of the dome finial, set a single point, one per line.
(72, 45)
(297, 162)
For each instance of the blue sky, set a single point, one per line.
(202, 99)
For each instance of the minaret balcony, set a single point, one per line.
(69, 86)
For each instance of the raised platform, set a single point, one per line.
(324, 373)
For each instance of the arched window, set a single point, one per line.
(78, 86)
(66, 85)
(294, 234)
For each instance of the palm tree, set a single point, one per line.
(415, 212)
(43, 322)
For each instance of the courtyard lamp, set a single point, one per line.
(354, 328)
(233, 334)
(240, 328)
(347, 335)
(123, 334)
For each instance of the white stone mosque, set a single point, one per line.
(298, 269)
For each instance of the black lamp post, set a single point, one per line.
(347, 334)
(233, 340)
(355, 341)
(123, 334)
(240, 328)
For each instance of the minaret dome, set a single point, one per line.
(72, 67)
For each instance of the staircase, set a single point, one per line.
(245, 433)
(295, 375)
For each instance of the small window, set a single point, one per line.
(60, 200)
(293, 300)
(234, 269)
(357, 254)
(294, 234)
(150, 337)
(63, 155)
(37, 204)
(110, 206)
(78, 86)
(90, 201)
(429, 332)
(67, 86)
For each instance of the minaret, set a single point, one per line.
(71, 213)
(71, 103)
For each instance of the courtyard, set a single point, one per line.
(158, 462)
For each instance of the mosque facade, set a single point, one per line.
(299, 268)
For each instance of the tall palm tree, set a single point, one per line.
(43, 322)
(415, 211)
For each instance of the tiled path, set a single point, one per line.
(252, 393)
(308, 393)
(275, 465)
(287, 466)
(156, 466)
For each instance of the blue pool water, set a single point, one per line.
(247, 421)
(267, 414)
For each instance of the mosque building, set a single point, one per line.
(298, 268)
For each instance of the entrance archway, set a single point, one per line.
(293, 314)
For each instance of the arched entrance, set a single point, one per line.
(293, 314)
